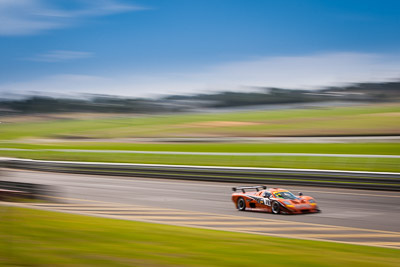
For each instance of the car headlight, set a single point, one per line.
(287, 203)
(311, 201)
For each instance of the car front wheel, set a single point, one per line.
(275, 208)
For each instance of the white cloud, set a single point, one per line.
(308, 71)
(60, 56)
(312, 71)
(23, 17)
(65, 84)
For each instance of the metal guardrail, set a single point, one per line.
(11, 189)
(327, 178)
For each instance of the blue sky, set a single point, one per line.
(151, 47)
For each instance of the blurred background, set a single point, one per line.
(80, 74)
(303, 85)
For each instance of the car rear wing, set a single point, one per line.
(244, 188)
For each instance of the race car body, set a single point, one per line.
(273, 200)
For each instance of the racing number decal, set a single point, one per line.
(264, 201)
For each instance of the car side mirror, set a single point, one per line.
(300, 194)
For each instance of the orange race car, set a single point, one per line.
(274, 200)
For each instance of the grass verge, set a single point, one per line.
(295, 162)
(329, 148)
(378, 119)
(40, 238)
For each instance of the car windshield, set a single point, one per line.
(284, 195)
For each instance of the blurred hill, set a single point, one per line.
(362, 92)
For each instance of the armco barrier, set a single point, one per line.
(327, 178)
(24, 190)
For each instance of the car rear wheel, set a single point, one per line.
(241, 204)
(275, 208)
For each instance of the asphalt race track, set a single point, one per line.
(353, 216)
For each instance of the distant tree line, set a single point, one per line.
(104, 104)
(366, 92)
(369, 92)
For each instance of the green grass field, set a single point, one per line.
(329, 148)
(307, 162)
(371, 119)
(360, 120)
(38, 238)
(325, 163)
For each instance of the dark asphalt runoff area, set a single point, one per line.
(368, 209)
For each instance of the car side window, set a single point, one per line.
(266, 194)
